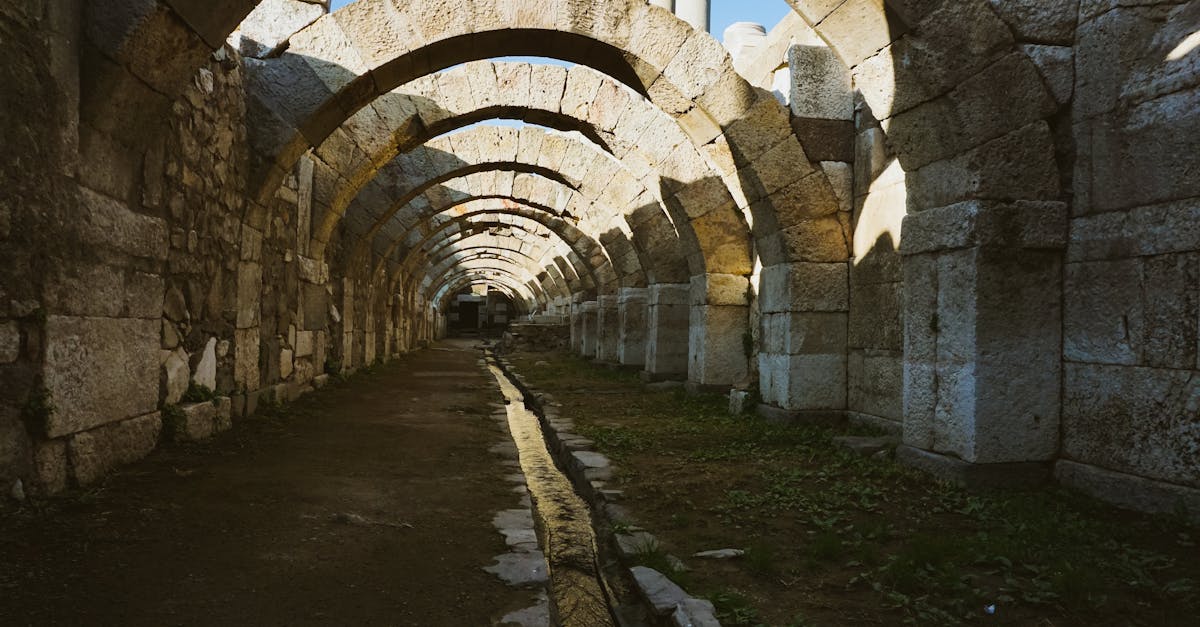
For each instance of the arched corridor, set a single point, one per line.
(964, 225)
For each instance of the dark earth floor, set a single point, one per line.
(366, 503)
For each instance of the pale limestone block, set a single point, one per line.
(175, 376)
(206, 370)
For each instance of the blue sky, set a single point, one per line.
(724, 12)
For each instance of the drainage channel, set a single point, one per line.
(579, 596)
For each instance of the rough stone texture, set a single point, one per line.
(160, 197)
(271, 23)
(10, 342)
(99, 370)
(93, 453)
(660, 593)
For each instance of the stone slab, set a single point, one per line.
(974, 476)
(99, 370)
(94, 453)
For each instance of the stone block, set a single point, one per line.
(796, 333)
(1056, 64)
(286, 363)
(304, 343)
(1102, 318)
(1051, 21)
(99, 370)
(1143, 155)
(96, 452)
(804, 287)
(10, 342)
(719, 289)
(1140, 421)
(875, 383)
(193, 423)
(271, 24)
(1151, 230)
(249, 290)
(1020, 164)
(50, 465)
(1026, 224)
(821, 85)
(206, 369)
(716, 349)
(109, 224)
(175, 376)
(876, 316)
(1126, 490)
(246, 352)
(803, 382)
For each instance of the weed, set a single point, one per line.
(733, 608)
(198, 393)
(760, 559)
(174, 422)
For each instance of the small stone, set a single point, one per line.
(719, 554)
(286, 363)
(866, 446)
(170, 335)
(18, 490)
(223, 348)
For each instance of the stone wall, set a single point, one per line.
(1130, 397)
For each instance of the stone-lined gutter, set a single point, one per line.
(589, 471)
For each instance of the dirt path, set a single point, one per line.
(369, 503)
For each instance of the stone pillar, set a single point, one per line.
(631, 308)
(803, 326)
(576, 324)
(588, 330)
(982, 340)
(718, 327)
(694, 12)
(667, 332)
(608, 329)
(744, 40)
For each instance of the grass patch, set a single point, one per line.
(835, 538)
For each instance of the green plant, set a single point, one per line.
(760, 559)
(198, 393)
(173, 419)
(333, 367)
(733, 608)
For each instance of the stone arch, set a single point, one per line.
(455, 228)
(596, 259)
(971, 130)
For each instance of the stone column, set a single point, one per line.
(982, 340)
(608, 329)
(803, 325)
(694, 12)
(588, 331)
(576, 324)
(631, 308)
(718, 328)
(667, 332)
